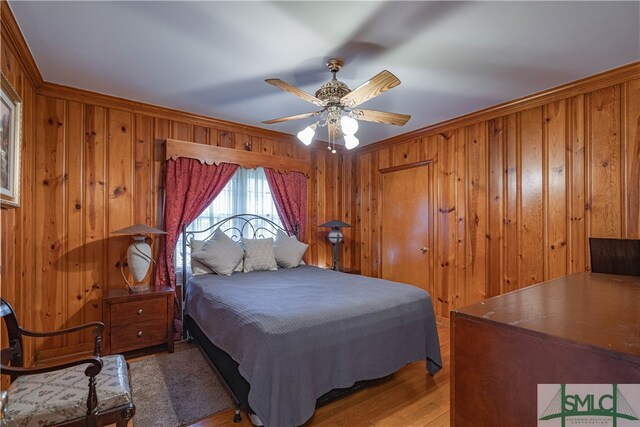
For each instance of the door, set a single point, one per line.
(405, 234)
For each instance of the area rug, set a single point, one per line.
(176, 389)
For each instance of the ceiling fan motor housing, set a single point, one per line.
(332, 91)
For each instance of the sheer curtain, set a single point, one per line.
(247, 192)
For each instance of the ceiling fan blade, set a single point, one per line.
(296, 91)
(381, 82)
(287, 118)
(380, 117)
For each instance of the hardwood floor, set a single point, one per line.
(411, 397)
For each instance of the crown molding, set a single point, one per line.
(13, 36)
(578, 87)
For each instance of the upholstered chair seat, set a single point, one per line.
(60, 396)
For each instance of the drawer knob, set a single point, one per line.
(139, 311)
(140, 333)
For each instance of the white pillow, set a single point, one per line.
(221, 254)
(288, 250)
(259, 255)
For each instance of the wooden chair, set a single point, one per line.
(89, 391)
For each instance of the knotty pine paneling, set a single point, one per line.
(517, 195)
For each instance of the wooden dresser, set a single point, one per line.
(136, 321)
(579, 329)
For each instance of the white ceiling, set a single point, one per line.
(212, 58)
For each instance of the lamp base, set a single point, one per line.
(136, 289)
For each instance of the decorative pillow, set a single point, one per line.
(288, 250)
(259, 255)
(198, 268)
(221, 254)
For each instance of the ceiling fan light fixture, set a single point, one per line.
(306, 134)
(349, 125)
(337, 102)
(351, 142)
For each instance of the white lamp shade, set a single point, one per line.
(139, 258)
(349, 125)
(306, 135)
(351, 142)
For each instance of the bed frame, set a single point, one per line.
(238, 227)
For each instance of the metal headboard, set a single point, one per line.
(240, 226)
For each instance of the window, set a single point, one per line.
(247, 192)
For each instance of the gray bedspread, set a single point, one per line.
(299, 333)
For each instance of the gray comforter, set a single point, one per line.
(299, 333)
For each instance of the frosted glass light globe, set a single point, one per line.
(351, 142)
(306, 135)
(335, 236)
(349, 125)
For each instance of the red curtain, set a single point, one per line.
(191, 186)
(289, 191)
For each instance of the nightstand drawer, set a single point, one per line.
(138, 335)
(139, 311)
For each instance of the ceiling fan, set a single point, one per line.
(339, 113)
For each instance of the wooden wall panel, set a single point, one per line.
(446, 223)
(631, 105)
(50, 225)
(531, 205)
(577, 203)
(517, 195)
(476, 257)
(605, 162)
(461, 288)
(555, 191)
(495, 207)
(120, 186)
(72, 261)
(95, 189)
(143, 182)
(512, 180)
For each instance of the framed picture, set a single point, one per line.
(10, 145)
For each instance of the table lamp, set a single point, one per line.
(335, 237)
(139, 257)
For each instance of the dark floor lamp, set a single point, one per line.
(335, 237)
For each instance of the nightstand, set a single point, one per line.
(136, 321)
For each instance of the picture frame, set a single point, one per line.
(10, 145)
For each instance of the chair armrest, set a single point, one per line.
(99, 328)
(94, 368)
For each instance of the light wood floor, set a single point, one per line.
(410, 398)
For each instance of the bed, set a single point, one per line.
(286, 341)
